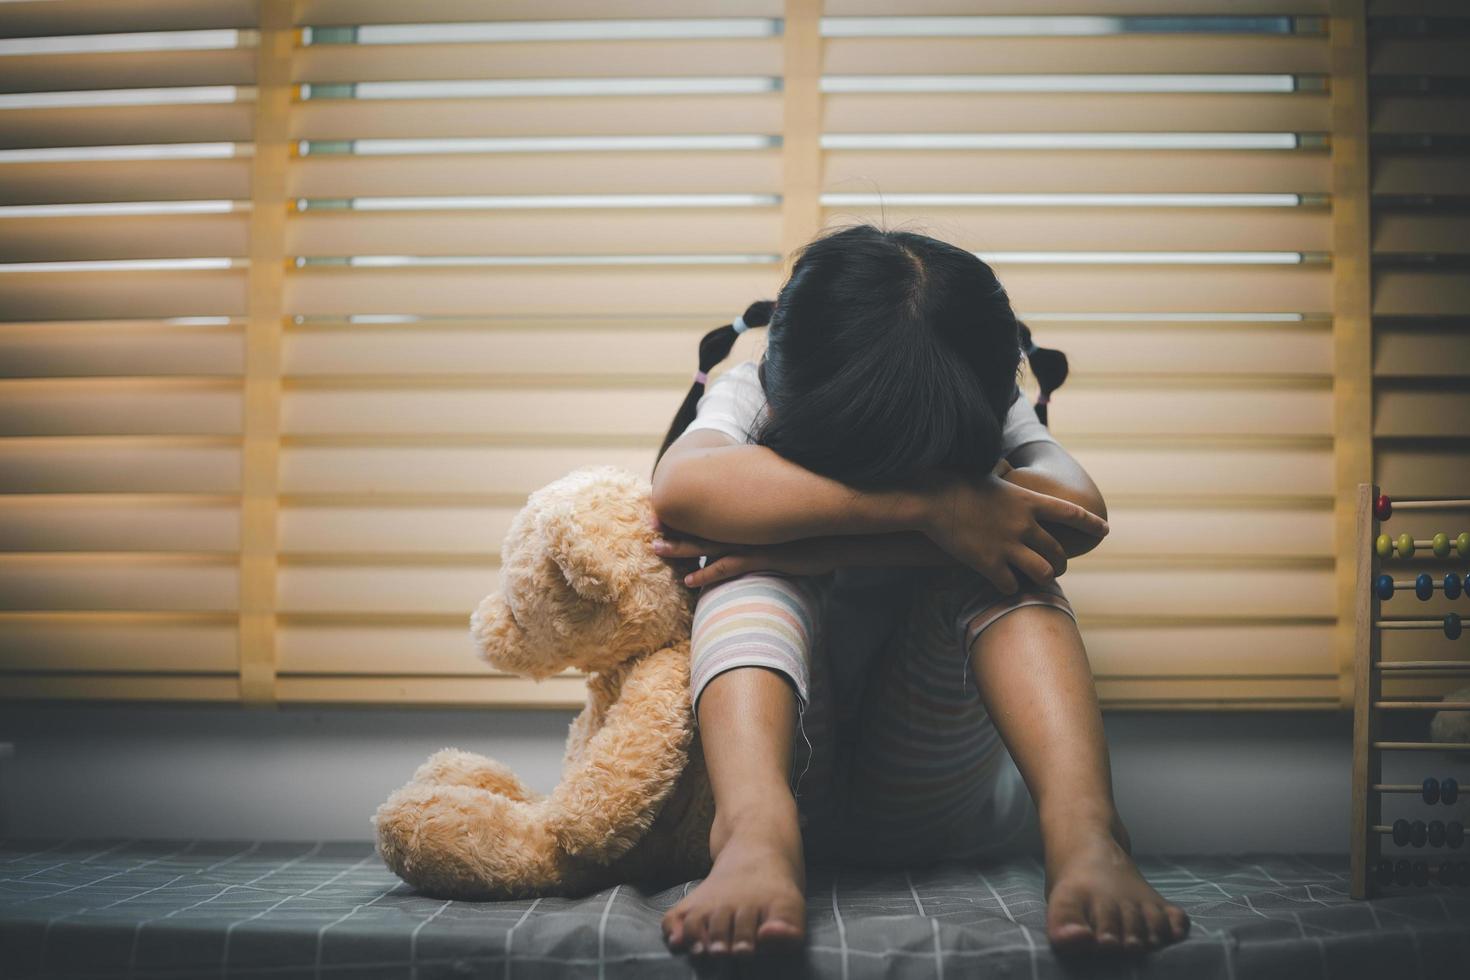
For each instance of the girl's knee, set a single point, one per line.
(755, 620)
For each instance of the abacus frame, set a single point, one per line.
(1368, 786)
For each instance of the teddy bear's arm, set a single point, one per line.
(612, 791)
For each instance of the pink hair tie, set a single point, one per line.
(700, 377)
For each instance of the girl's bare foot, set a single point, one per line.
(754, 899)
(1097, 900)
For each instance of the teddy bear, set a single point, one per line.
(580, 588)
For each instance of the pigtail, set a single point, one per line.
(1048, 367)
(714, 347)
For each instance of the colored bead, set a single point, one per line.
(1384, 546)
(1449, 790)
(1454, 833)
(1447, 873)
(1401, 832)
(1403, 871)
(1384, 874)
(1452, 626)
(1431, 791)
(1436, 833)
(1418, 833)
(1451, 585)
(1382, 507)
(1441, 545)
(1462, 873)
(1462, 544)
(1385, 587)
(1421, 872)
(1424, 586)
(1405, 544)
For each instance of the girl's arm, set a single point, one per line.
(818, 555)
(711, 487)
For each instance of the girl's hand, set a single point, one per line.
(805, 556)
(994, 526)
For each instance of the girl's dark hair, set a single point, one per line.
(714, 347)
(889, 353)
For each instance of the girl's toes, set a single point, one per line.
(1179, 919)
(674, 928)
(717, 936)
(1159, 929)
(695, 925)
(1067, 925)
(742, 931)
(1109, 923)
(1135, 932)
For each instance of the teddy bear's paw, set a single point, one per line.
(460, 842)
(453, 767)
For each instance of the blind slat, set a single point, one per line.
(111, 180)
(150, 642)
(117, 125)
(1171, 54)
(57, 239)
(539, 59)
(100, 522)
(127, 348)
(736, 172)
(105, 295)
(1079, 171)
(1028, 112)
(584, 290)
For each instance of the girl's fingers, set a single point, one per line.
(716, 571)
(1065, 512)
(1032, 565)
(684, 546)
(1047, 546)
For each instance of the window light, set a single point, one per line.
(119, 208)
(1072, 200)
(124, 265)
(545, 30)
(150, 151)
(521, 201)
(181, 95)
(140, 41)
(983, 26)
(1057, 83)
(534, 144)
(453, 261)
(522, 87)
(1060, 141)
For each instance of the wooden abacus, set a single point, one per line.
(1372, 871)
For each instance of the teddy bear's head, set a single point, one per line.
(580, 585)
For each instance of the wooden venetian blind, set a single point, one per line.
(483, 244)
(125, 177)
(1418, 74)
(1151, 181)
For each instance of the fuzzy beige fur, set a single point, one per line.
(580, 588)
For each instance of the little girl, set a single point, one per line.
(881, 453)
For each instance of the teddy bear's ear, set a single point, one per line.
(577, 539)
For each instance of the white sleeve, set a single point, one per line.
(1022, 426)
(731, 403)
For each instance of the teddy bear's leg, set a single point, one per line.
(460, 842)
(452, 767)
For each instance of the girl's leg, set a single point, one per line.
(751, 679)
(1032, 671)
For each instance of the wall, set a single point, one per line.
(1229, 782)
